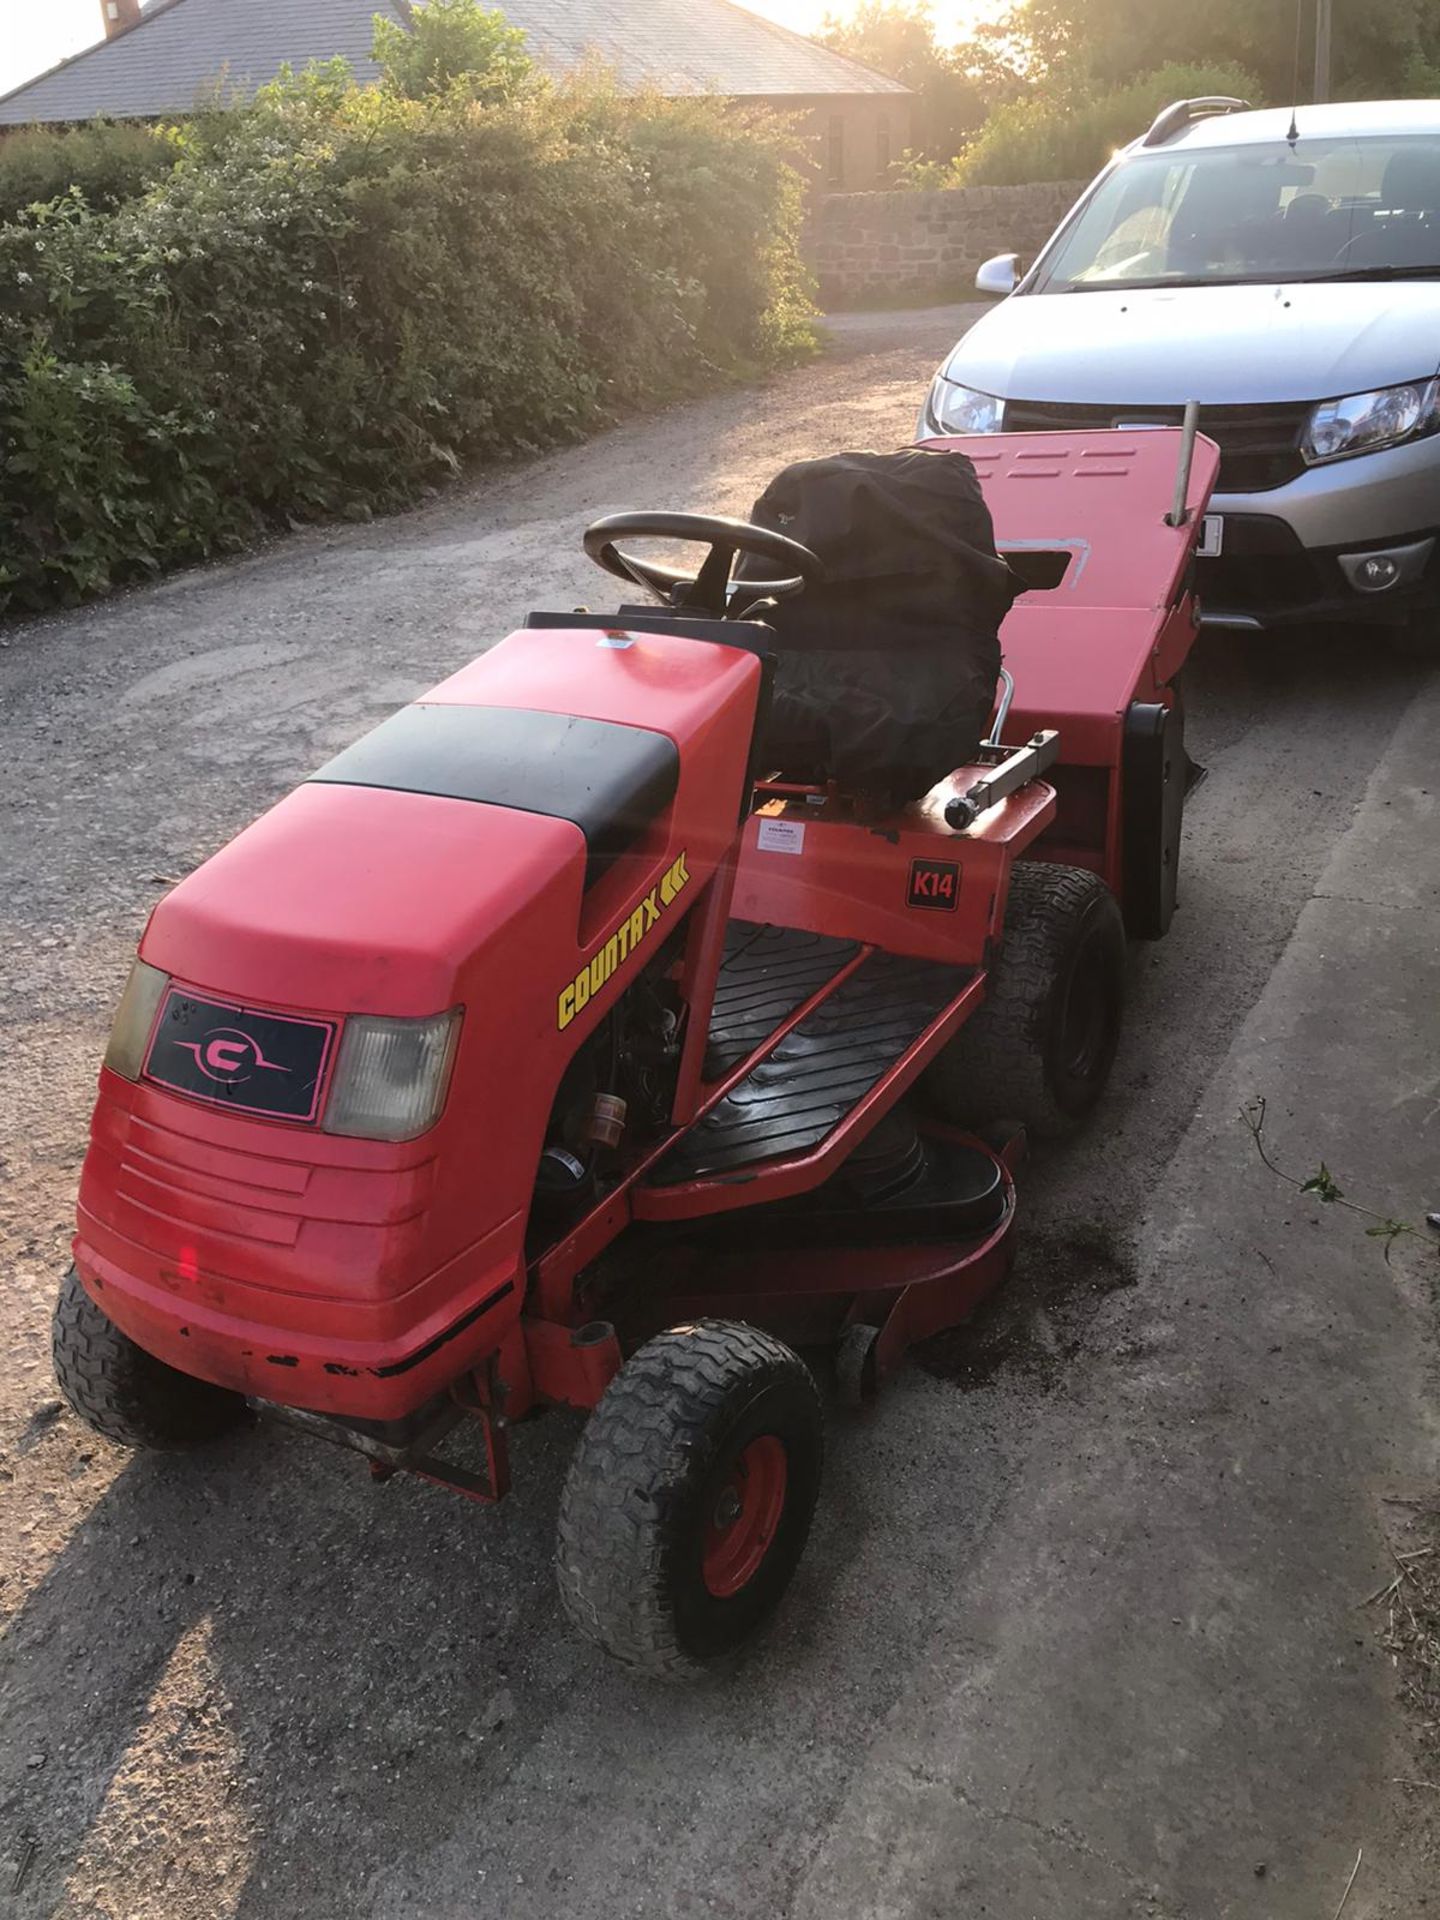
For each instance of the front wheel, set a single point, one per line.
(1040, 1048)
(690, 1496)
(125, 1393)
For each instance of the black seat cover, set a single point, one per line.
(611, 781)
(887, 671)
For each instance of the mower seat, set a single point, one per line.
(612, 781)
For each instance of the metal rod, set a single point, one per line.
(1002, 712)
(1180, 511)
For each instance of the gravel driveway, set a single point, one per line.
(1076, 1633)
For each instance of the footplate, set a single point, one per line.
(799, 1094)
(767, 973)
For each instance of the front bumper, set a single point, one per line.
(1265, 577)
(239, 1342)
(286, 1264)
(1290, 552)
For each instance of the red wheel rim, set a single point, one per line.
(744, 1516)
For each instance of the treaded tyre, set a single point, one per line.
(1042, 1044)
(690, 1496)
(125, 1393)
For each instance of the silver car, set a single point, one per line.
(1284, 271)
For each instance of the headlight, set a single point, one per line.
(392, 1076)
(952, 408)
(135, 1019)
(1364, 421)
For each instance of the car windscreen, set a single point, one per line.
(1356, 208)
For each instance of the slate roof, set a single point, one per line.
(185, 51)
(690, 46)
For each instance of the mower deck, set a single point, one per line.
(806, 1086)
(892, 1266)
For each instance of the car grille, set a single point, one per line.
(1259, 446)
(1265, 569)
(1253, 585)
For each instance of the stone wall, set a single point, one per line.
(897, 247)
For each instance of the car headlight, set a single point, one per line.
(1363, 421)
(391, 1076)
(952, 408)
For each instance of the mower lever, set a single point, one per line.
(1016, 767)
(1002, 711)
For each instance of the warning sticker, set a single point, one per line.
(781, 836)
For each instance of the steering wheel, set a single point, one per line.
(1405, 223)
(710, 590)
(1342, 258)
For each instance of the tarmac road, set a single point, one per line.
(1077, 1632)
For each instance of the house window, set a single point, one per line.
(882, 148)
(835, 151)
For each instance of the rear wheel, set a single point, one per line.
(1040, 1048)
(124, 1392)
(690, 1497)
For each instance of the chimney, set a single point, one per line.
(119, 16)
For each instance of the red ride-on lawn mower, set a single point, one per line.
(549, 1047)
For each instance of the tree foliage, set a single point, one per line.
(1379, 46)
(452, 45)
(1049, 88)
(335, 298)
(956, 86)
(1045, 137)
(107, 161)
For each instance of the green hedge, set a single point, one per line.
(108, 161)
(1071, 136)
(329, 303)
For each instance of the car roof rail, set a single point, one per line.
(1181, 113)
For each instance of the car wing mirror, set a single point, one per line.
(999, 276)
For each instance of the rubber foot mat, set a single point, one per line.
(766, 974)
(801, 1092)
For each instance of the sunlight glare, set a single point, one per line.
(34, 38)
(178, 1784)
(953, 18)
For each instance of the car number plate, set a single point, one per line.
(1212, 536)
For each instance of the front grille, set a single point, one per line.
(1253, 585)
(1259, 445)
(1265, 569)
(191, 1183)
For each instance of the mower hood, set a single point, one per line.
(351, 899)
